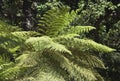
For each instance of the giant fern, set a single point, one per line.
(58, 55)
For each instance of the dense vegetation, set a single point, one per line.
(59, 40)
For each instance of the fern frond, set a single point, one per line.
(93, 45)
(26, 60)
(44, 42)
(6, 28)
(98, 76)
(54, 23)
(50, 70)
(83, 44)
(5, 65)
(10, 43)
(79, 29)
(10, 73)
(8, 46)
(87, 59)
(51, 76)
(8, 40)
(25, 34)
(15, 38)
(46, 69)
(26, 79)
(75, 71)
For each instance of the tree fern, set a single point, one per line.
(58, 55)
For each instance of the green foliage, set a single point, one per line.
(47, 4)
(71, 41)
(11, 40)
(79, 29)
(58, 55)
(6, 28)
(112, 38)
(53, 23)
(102, 14)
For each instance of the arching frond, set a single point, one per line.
(83, 44)
(49, 76)
(90, 44)
(55, 20)
(87, 59)
(26, 60)
(45, 69)
(25, 34)
(42, 43)
(14, 39)
(9, 74)
(10, 43)
(78, 29)
(10, 71)
(75, 71)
